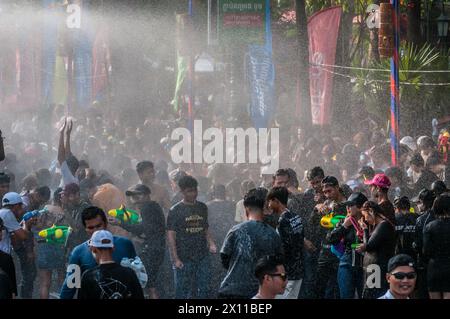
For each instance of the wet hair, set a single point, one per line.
(293, 180)
(346, 190)
(142, 166)
(372, 206)
(43, 192)
(267, 265)
(57, 196)
(254, 199)
(91, 213)
(186, 182)
(282, 172)
(315, 172)
(441, 205)
(330, 181)
(280, 193)
(402, 203)
(417, 159)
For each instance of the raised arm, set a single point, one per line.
(68, 132)
(61, 149)
(2, 150)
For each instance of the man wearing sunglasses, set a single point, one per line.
(272, 277)
(401, 277)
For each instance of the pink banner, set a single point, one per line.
(323, 30)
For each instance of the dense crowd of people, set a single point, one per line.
(337, 221)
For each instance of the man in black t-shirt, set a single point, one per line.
(290, 229)
(244, 245)
(190, 242)
(152, 230)
(108, 280)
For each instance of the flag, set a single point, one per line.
(323, 29)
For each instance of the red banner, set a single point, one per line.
(323, 29)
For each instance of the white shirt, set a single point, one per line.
(11, 225)
(388, 295)
(66, 176)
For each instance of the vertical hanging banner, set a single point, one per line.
(247, 22)
(82, 60)
(49, 49)
(323, 30)
(100, 65)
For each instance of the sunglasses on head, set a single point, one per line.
(402, 275)
(283, 276)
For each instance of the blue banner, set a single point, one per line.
(49, 45)
(261, 77)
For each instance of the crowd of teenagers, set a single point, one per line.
(339, 222)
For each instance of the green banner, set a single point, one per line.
(241, 21)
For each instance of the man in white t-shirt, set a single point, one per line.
(68, 163)
(12, 211)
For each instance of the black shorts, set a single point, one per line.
(152, 259)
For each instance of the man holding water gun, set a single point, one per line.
(350, 272)
(328, 262)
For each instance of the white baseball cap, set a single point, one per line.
(102, 239)
(11, 198)
(409, 142)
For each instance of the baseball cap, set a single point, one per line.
(380, 180)
(138, 190)
(11, 198)
(400, 260)
(356, 199)
(409, 142)
(425, 195)
(439, 187)
(102, 239)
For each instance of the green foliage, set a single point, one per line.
(374, 88)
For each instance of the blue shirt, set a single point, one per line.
(82, 256)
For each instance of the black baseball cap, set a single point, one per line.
(138, 189)
(356, 199)
(439, 187)
(400, 260)
(425, 195)
(330, 180)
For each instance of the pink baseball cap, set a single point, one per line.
(380, 180)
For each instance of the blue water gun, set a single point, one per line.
(34, 213)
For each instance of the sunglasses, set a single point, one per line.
(402, 275)
(283, 276)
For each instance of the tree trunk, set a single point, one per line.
(413, 32)
(303, 72)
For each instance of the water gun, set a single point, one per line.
(444, 145)
(125, 215)
(34, 213)
(330, 220)
(56, 234)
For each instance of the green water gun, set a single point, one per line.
(125, 215)
(56, 234)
